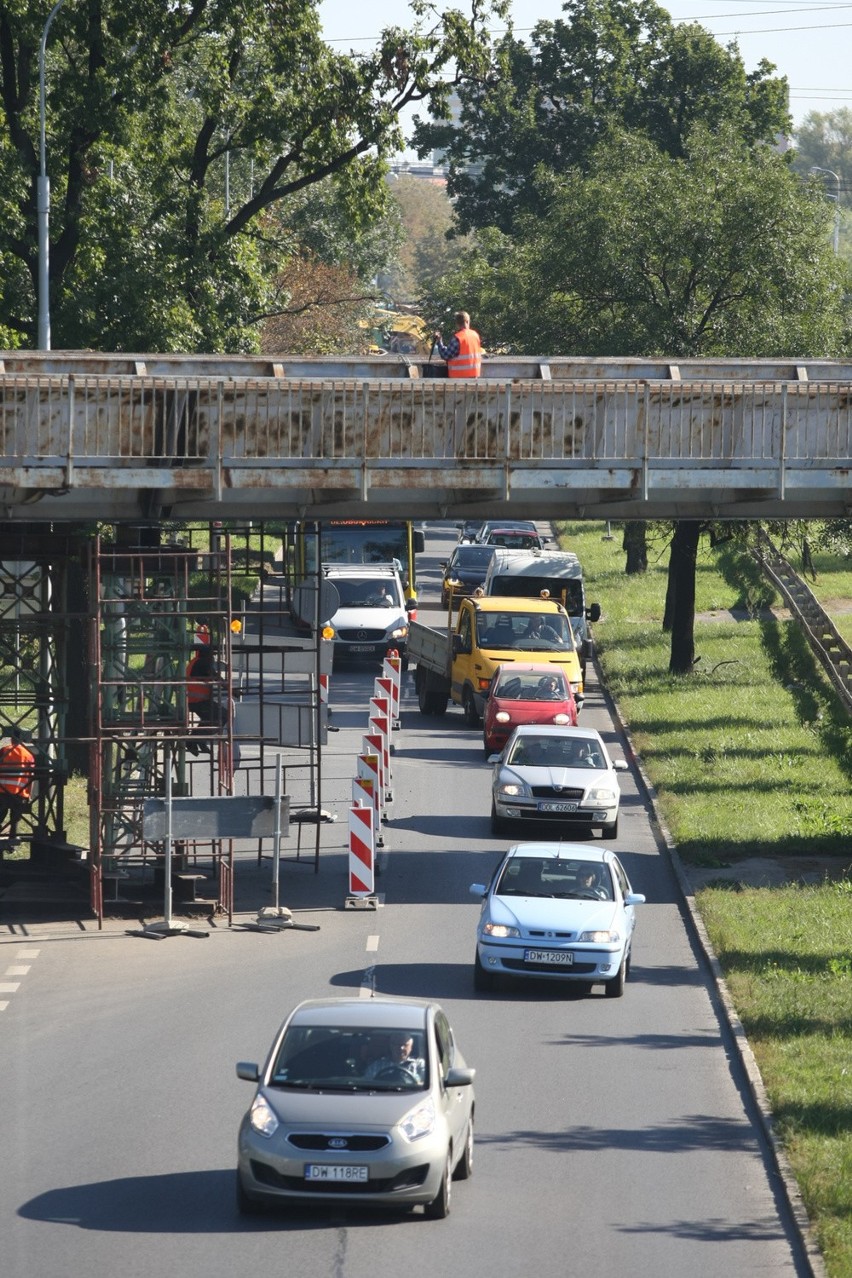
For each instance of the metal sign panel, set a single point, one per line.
(293, 724)
(226, 816)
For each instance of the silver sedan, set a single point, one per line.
(561, 775)
(360, 1101)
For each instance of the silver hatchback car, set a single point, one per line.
(360, 1101)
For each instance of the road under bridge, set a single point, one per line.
(88, 435)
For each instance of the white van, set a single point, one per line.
(528, 573)
(372, 616)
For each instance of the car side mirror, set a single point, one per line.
(411, 605)
(460, 645)
(593, 612)
(494, 758)
(478, 889)
(456, 1077)
(620, 765)
(634, 898)
(248, 1071)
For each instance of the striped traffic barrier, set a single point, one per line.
(379, 722)
(374, 743)
(369, 766)
(361, 859)
(387, 687)
(364, 792)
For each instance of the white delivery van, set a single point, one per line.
(528, 573)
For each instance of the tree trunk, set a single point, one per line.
(635, 547)
(682, 561)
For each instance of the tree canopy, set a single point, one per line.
(608, 64)
(175, 128)
(721, 251)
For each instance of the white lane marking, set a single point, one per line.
(372, 943)
(368, 983)
(17, 969)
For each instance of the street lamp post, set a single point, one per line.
(43, 200)
(816, 169)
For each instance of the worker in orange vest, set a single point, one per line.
(17, 769)
(463, 352)
(207, 694)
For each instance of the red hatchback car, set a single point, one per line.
(525, 694)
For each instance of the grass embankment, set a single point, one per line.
(751, 755)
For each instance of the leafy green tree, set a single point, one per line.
(720, 251)
(825, 140)
(609, 64)
(174, 129)
(717, 252)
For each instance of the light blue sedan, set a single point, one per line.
(556, 911)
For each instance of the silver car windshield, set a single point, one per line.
(320, 1057)
(556, 752)
(526, 876)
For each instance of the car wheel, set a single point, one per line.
(464, 1167)
(439, 1208)
(610, 831)
(482, 980)
(471, 717)
(615, 987)
(247, 1206)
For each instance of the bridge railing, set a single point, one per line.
(312, 441)
(113, 420)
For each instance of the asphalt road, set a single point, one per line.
(614, 1137)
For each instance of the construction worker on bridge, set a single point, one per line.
(17, 768)
(463, 352)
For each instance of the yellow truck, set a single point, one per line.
(458, 664)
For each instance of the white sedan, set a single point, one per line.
(556, 911)
(555, 774)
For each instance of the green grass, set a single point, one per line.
(751, 755)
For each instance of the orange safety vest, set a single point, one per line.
(468, 362)
(196, 690)
(17, 765)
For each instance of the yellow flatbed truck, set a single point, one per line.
(457, 664)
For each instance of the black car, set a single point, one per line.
(465, 569)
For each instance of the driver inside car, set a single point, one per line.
(397, 1056)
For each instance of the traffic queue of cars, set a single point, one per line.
(370, 1101)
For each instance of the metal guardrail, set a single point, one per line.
(831, 648)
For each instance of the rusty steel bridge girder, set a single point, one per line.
(203, 436)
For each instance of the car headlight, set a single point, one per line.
(262, 1116)
(601, 794)
(511, 789)
(560, 718)
(500, 929)
(400, 630)
(600, 938)
(502, 716)
(419, 1122)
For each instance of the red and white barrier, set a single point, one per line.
(392, 669)
(369, 763)
(361, 855)
(380, 724)
(364, 791)
(387, 688)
